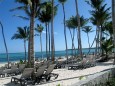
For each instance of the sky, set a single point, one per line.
(10, 24)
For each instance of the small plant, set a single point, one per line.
(110, 82)
(82, 77)
(21, 61)
(58, 85)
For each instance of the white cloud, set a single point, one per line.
(44, 32)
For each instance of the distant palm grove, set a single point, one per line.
(44, 11)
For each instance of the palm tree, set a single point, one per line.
(45, 17)
(23, 34)
(5, 43)
(99, 16)
(108, 28)
(79, 32)
(83, 22)
(87, 30)
(31, 8)
(107, 47)
(52, 34)
(69, 24)
(63, 6)
(39, 29)
(113, 21)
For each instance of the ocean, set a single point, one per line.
(20, 56)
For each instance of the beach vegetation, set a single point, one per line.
(82, 77)
(45, 16)
(72, 23)
(40, 29)
(71, 26)
(107, 46)
(100, 15)
(31, 9)
(23, 34)
(21, 61)
(58, 85)
(109, 82)
(87, 30)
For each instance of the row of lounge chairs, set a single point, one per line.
(85, 63)
(14, 70)
(42, 73)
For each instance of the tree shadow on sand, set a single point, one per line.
(12, 84)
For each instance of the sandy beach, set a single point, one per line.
(66, 77)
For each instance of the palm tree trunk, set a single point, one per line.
(88, 41)
(96, 43)
(41, 45)
(52, 34)
(5, 43)
(49, 39)
(25, 49)
(46, 42)
(113, 21)
(65, 32)
(93, 43)
(31, 37)
(101, 50)
(79, 32)
(98, 37)
(71, 40)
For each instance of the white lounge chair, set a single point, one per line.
(39, 74)
(27, 73)
(48, 74)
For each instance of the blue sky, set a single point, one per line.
(11, 23)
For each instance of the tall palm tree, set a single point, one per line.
(79, 32)
(63, 6)
(52, 34)
(69, 24)
(45, 17)
(31, 8)
(5, 43)
(100, 14)
(23, 34)
(39, 29)
(83, 22)
(113, 21)
(87, 30)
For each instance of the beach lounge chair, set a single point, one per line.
(75, 66)
(38, 74)
(45, 63)
(60, 63)
(21, 68)
(13, 70)
(92, 60)
(48, 74)
(37, 65)
(2, 73)
(78, 65)
(26, 75)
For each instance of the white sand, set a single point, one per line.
(64, 76)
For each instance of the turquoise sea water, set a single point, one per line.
(18, 56)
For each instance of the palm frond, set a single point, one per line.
(22, 17)
(19, 8)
